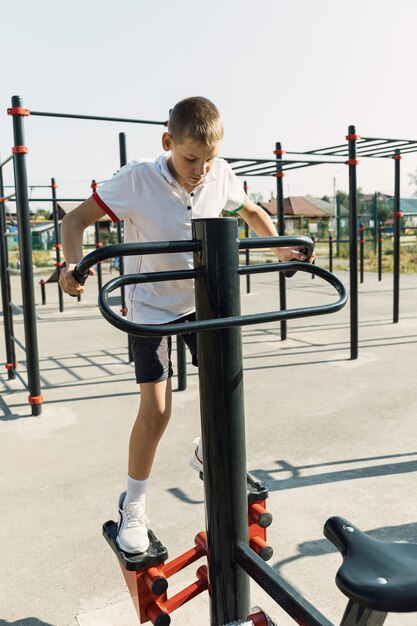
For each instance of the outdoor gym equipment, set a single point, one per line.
(369, 147)
(376, 576)
(19, 151)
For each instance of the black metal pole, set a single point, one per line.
(98, 243)
(338, 226)
(330, 253)
(357, 615)
(25, 248)
(361, 250)
(181, 364)
(58, 263)
(353, 243)
(6, 288)
(380, 239)
(120, 237)
(247, 251)
(222, 419)
(397, 223)
(281, 231)
(375, 220)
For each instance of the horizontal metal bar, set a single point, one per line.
(285, 241)
(273, 162)
(390, 153)
(99, 118)
(57, 199)
(22, 380)
(293, 603)
(331, 150)
(270, 171)
(247, 160)
(131, 249)
(3, 163)
(387, 139)
(19, 343)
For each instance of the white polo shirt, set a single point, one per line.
(155, 207)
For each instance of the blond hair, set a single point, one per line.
(196, 118)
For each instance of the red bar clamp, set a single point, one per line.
(20, 150)
(18, 111)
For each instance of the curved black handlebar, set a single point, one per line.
(305, 243)
(80, 272)
(130, 249)
(226, 322)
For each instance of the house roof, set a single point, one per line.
(301, 206)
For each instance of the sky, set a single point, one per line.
(295, 71)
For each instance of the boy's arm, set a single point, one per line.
(72, 231)
(260, 222)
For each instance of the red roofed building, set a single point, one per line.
(298, 209)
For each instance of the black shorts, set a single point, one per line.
(152, 355)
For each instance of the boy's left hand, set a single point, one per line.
(293, 254)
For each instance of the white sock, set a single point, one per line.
(199, 450)
(136, 490)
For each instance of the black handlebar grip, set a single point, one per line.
(304, 251)
(80, 278)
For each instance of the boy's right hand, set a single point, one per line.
(68, 283)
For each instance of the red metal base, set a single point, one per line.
(148, 587)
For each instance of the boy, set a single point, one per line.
(157, 202)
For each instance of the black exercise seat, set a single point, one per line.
(375, 574)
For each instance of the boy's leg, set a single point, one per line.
(151, 422)
(152, 358)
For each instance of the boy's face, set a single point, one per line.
(189, 160)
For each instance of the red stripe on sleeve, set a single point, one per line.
(105, 208)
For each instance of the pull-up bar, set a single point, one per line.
(99, 118)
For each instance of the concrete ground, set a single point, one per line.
(325, 434)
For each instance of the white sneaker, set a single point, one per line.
(196, 462)
(132, 533)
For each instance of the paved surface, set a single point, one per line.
(326, 435)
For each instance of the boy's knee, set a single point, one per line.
(154, 419)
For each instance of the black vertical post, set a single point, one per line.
(314, 261)
(58, 263)
(338, 226)
(222, 419)
(330, 253)
(247, 251)
(5, 287)
(353, 243)
(397, 224)
(123, 161)
(361, 250)
(97, 242)
(375, 220)
(380, 239)
(25, 248)
(281, 230)
(181, 364)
